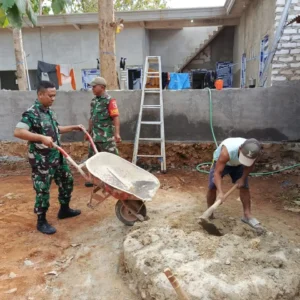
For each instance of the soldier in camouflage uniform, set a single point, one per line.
(104, 123)
(40, 128)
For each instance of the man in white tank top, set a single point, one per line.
(235, 157)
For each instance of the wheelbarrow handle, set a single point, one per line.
(90, 139)
(70, 159)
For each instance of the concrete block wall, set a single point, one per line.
(286, 63)
(268, 114)
(173, 45)
(219, 49)
(203, 60)
(256, 22)
(204, 56)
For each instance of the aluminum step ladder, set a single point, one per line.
(158, 107)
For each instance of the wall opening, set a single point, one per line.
(8, 80)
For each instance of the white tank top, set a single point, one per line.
(232, 145)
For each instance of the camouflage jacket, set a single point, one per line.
(41, 120)
(102, 124)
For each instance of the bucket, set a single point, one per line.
(219, 84)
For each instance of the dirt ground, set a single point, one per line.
(84, 259)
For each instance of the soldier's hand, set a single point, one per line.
(118, 138)
(80, 127)
(47, 141)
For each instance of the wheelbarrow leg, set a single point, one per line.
(97, 197)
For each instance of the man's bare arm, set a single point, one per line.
(90, 126)
(116, 121)
(220, 166)
(246, 172)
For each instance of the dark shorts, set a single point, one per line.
(234, 172)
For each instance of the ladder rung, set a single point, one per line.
(150, 139)
(152, 90)
(153, 73)
(151, 106)
(151, 122)
(149, 155)
(155, 92)
(153, 77)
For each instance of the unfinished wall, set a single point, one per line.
(174, 45)
(256, 22)
(66, 45)
(267, 114)
(286, 61)
(220, 49)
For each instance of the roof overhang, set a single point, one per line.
(227, 15)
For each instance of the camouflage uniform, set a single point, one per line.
(103, 129)
(46, 163)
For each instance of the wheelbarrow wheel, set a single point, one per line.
(124, 212)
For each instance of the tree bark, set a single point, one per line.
(18, 46)
(41, 7)
(107, 43)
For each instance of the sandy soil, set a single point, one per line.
(85, 255)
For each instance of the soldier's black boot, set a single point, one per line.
(43, 226)
(67, 212)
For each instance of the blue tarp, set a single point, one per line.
(179, 81)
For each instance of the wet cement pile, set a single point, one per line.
(213, 268)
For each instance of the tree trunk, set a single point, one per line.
(41, 7)
(107, 43)
(18, 46)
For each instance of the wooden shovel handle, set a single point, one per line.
(211, 209)
(176, 285)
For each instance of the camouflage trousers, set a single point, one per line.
(110, 147)
(42, 179)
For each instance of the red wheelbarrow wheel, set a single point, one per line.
(132, 211)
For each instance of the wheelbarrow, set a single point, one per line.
(114, 176)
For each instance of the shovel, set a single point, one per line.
(204, 219)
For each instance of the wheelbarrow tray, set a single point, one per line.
(122, 175)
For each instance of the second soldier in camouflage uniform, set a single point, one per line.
(104, 123)
(40, 128)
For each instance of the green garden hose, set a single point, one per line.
(198, 167)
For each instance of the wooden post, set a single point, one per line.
(19, 54)
(176, 285)
(107, 43)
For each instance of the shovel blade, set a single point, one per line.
(210, 227)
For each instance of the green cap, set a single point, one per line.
(250, 150)
(98, 81)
